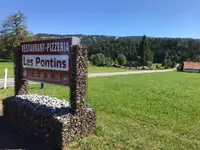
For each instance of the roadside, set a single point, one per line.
(10, 81)
(92, 75)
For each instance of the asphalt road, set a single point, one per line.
(10, 81)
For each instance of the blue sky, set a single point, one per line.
(158, 18)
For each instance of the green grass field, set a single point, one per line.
(147, 111)
(8, 65)
(154, 65)
(91, 69)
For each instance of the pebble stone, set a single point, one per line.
(45, 104)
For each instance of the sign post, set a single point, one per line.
(42, 85)
(5, 78)
(47, 61)
(61, 62)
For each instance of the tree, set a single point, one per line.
(98, 59)
(167, 63)
(101, 59)
(109, 62)
(121, 59)
(177, 49)
(93, 59)
(144, 52)
(13, 31)
(197, 58)
(157, 67)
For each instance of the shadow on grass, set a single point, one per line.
(12, 139)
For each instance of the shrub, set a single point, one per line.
(109, 62)
(167, 63)
(121, 59)
(173, 64)
(116, 61)
(93, 59)
(180, 67)
(162, 68)
(98, 59)
(88, 63)
(157, 67)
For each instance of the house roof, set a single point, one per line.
(191, 65)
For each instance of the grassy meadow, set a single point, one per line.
(91, 69)
(10, 67)
(146, 111)
(154, 65)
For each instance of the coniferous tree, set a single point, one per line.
(145, 55)
(121, 59)
(13, 31)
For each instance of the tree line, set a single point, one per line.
(167, 51)
(121, 51)
(130, 50)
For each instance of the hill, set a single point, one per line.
(86, 39)
(167, 51)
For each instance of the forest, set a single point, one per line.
(132, 50)
(166, 51)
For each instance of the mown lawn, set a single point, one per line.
(91, 69)
(8, 65)
(146, 111)
(154, 65)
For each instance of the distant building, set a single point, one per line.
(116, 65)
(191, 67)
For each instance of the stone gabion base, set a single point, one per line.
(57, 131)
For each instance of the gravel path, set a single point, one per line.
(92, 75)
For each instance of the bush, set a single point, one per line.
(98, 59)
(149, 64)
(180, 67)
(88, 63)
(93, 59)
(173, 64)
(167, 63)
(109, 62)
(157, 67)
(121, 59)
(116, 62)
(162, 67)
